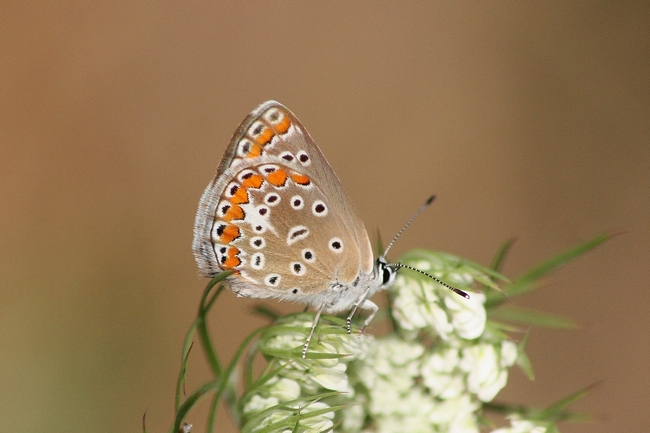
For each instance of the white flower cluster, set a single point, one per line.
(284, 398)
(408, 385)
(431, 375)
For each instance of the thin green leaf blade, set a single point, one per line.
(529, 281)
(532, 317)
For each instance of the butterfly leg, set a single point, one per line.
(369, 305)
(311, 331)
(363, 302)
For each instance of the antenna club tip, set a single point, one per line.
(430, 199)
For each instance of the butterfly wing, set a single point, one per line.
(277, 215)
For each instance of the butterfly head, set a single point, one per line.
(385, 272)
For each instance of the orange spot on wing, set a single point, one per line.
(232, 261)
(277, 178)
(255, 181)
(229, 234)
(300, 179)
(234, 213)
(282, 126)
(254, 151)
(265, 136)
(241, 196)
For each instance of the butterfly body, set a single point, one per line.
(277, 216)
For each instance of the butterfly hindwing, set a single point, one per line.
(277, 214)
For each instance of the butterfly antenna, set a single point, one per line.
(453, 289)
(408, 223)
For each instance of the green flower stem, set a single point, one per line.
(218, 385)
(203, 310)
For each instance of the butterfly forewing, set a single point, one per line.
(277, 214)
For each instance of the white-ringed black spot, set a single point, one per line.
(297, 202)
(308, 255)
(257, 128)
(297, 233)
(245, 174)
(297, 268)
(272, 115)
(295, 290)
(272, 280)
(287, 156)
(336, 245)
(319, 208)
(272, 199)
(258, 261)
(222, 257)
(259, 228)
(303, 158)
(244, 147)
(263, 210)
(258, 242)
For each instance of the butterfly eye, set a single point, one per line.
(387, 275)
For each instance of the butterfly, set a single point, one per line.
(277, 216)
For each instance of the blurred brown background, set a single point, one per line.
(527, 119)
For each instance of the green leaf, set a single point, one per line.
(532, 317)
(552, 414)
(499, 329)
(267, 312)
(556, 411)
(523, 361)
(528, 282)
(180, 382)
(254, 387)
(200, 320)
(293, 409)
(296, 353)
(499, 258)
